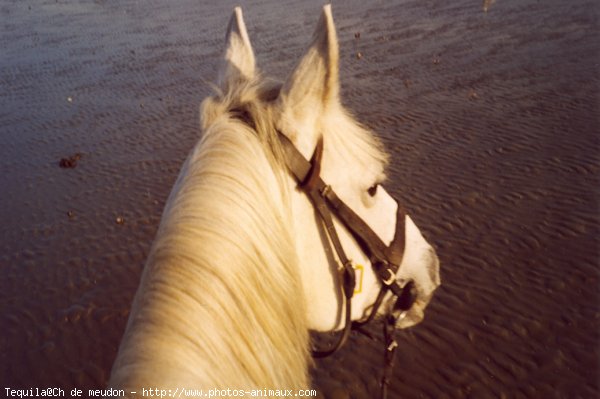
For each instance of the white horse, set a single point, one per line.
(241, 268)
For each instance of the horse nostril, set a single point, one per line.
(407, 298)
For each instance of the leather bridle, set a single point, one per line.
(384, 259)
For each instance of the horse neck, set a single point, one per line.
(220, 303)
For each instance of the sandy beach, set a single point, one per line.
(492, 120)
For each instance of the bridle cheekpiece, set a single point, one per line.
(384, 259)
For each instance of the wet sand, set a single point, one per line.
(492, 120)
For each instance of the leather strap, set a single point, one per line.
(348, 274)
(391, 347)
(312, 184)
(370, 242)
(386, 260)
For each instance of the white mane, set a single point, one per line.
(223, 265)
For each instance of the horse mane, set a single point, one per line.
(248, 101)
(220, 303)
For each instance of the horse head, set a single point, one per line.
(308, 110)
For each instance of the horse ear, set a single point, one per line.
(315, 81)
(239, 64)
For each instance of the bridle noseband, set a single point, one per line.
(384, 259)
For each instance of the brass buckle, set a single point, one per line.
(391, 278)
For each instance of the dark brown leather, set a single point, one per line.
(385, 260)
(376, 250)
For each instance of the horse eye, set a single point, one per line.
(373, 189)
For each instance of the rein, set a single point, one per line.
(385, 260)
